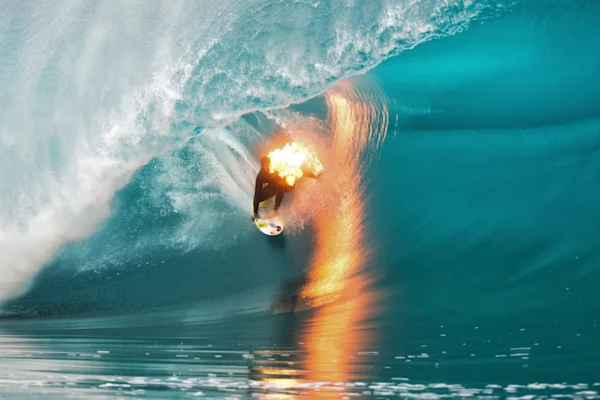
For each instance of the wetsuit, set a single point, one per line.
(269, 185)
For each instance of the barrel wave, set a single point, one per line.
(449, 248)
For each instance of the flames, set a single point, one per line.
(338, 334)
(292, 161)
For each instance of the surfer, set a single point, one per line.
(270, 184)
(267, 186)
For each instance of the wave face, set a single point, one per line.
(450, 247)
(93, 92)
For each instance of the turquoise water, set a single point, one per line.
(455, 223)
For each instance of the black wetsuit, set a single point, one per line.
(269, 185)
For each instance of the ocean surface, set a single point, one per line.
(451, 248)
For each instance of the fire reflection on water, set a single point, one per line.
(338, 288)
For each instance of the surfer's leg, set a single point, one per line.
(279, 197)
(268, 191)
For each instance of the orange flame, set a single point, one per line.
(359, 124)
(338, 334)
(291, 162)
(337, 280)
(340, 248)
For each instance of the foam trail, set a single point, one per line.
(211, 182)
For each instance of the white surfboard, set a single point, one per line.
(269, 222)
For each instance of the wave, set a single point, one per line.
(95, 91)
(454, 225)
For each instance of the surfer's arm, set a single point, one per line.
(311, 174)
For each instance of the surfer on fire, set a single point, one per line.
(277, 177)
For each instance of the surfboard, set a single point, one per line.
(269, 225)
